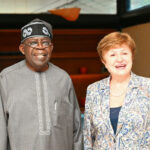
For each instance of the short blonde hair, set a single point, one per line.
(113, 40)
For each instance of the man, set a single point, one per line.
(38, 109)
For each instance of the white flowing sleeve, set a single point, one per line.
(3, 121)
(77, 130)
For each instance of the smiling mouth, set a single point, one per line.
(121, 66)
(40, 56)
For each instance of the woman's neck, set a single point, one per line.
(119, 84)
(120, 79)
(118, 89)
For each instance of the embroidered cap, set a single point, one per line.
(36, 28)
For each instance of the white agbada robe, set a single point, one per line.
(38, 111)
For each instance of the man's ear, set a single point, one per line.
(21, 48)
(52, 46)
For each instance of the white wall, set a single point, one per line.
(141, 35)
(38, 6)
(29, 6)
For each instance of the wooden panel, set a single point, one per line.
(72, 66)
(82, 31)
(64, 39)
(78, 39)
(71, 62)
(75, 54)
(81, 83)
(9, 40)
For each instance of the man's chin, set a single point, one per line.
(40, 66)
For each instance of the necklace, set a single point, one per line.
(119, 95)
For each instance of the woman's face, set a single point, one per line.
(118, 61)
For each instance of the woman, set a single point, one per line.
(117, 109)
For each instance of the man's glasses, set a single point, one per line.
(39, 45)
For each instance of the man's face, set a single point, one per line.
(37, 51)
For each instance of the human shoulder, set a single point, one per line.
(142, 83)
(142, 80)
(12, 68)
(57, 71)
(99, 85)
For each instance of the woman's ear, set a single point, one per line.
(103, 61)
(21, 48)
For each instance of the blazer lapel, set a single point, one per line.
(130, 96)
(105, 105)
